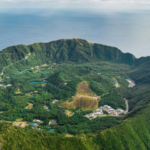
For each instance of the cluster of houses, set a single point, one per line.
(5, 86)
(37, 122)
(100, 112)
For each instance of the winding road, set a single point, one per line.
(127, 106)
(26, 57)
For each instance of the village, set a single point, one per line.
(102, 111)
(105, 111)
(35, 124)
(108, 110)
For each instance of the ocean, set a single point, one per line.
(129, 31)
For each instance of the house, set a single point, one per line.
(111, 109)
(89, 115)
(95, 97)
(34, 124)
(8, 85)
(120, 111)
(26, 57)
(98, 111)
(55, 101)
(53, 122)
(37, 121)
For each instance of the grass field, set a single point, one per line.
(20, 124)
(30, 105)
(19, 119)
(86, 102)
(84, 98)
(68, 113)
(18, 91)
(69, 135)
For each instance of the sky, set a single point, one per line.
(126, 4)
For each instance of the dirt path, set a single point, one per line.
(127, 106)
(26, 57)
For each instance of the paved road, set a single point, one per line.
(127, 106)
(131, 83)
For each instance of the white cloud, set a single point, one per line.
(90, 4)
(87, 1)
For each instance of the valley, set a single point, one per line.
(70, 86)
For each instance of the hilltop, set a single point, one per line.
(73, 50)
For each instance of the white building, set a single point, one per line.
(55, 101)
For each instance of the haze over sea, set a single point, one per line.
(129, 31)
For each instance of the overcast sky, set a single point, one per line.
(85, 1)
(111, 4)
(75, 1)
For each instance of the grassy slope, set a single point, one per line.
(27, 139)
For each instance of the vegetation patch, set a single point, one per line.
(68, 113)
